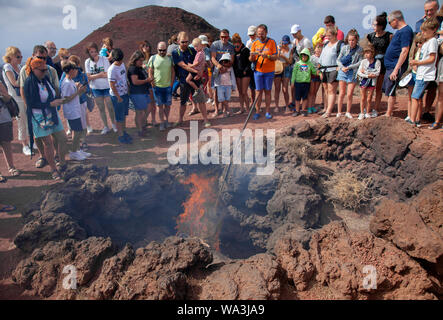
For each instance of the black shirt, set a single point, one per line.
(242, 63)
(141, 75)
(381, 44)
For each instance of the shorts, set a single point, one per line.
(163, 96)
(140, 101)
(200, 97)
(287, 73)
(185, 92)
(40, 132)
(330, 77)
(6, 134)
(224, 93)
(347, 77)
(121, 109)
(100, 93)
(302, 90)
(315, 79)
(419, 89)
(412, 82)
(263, 81)
(389, 86)
(76, 124)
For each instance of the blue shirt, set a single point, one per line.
(187, 57)
(401, 39)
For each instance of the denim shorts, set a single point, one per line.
(121, 109)
(412, 82)
(263, 81)
(389, 86)
(419, 89)
(348, 77)
(100, 93)
(287, 73)
(163, 96)
(224, 93)
(140, 101)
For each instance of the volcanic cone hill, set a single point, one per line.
(152, 23)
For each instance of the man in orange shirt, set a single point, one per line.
(263, 56)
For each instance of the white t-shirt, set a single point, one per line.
(93, 68)
(117, 74)
(72, 109)
(8, 67)
(249, 43)
(427, 72)
(43, 92)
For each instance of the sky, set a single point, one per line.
(25, 23)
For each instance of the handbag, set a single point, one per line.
(90, 102)
(278, 67)
(12, 106)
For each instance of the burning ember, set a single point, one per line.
(199, 216)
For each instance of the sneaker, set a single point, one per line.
(26, 151)
(209, 101)
(407, 119)
(127, 136)
(114, 127)
(304, 113)
(89, 130)
(162, 126)
(368, 116)
(417, 124)
(434, 126)
(207, 124)
(291, 105)
(410, 122)
(325, 115)
(268, 116)
(374, 114)
(314, 110)
(256, 116)
(348, 115)
(361, 116)
(168, 125)
(84, 153)
(338, 115)
(76, 156)
(105, 130)
(68, 132)
(122, 139)
(310, 111)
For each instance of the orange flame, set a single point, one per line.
(195, 220)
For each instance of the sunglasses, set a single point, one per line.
(237, 46)
(224, 37)
(42, 70)
(184, 42)
(19, 57)
(40, 57)
(161, 50)
(64, 57)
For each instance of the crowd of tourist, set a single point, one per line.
(204, 72)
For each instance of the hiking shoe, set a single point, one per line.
(105, 130)
(295, 113)
(256, 116)
(348, 115)
(374, 114)
(268, 116)
(361, 116)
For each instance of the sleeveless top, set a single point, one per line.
(380, 43)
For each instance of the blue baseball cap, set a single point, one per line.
(286, 40)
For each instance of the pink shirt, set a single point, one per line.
(201, 60)
(225, 78)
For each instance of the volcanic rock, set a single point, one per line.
(415, 226)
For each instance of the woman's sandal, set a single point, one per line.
(55, 175)
(3, 179)
(14, 172)
(41, 163)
